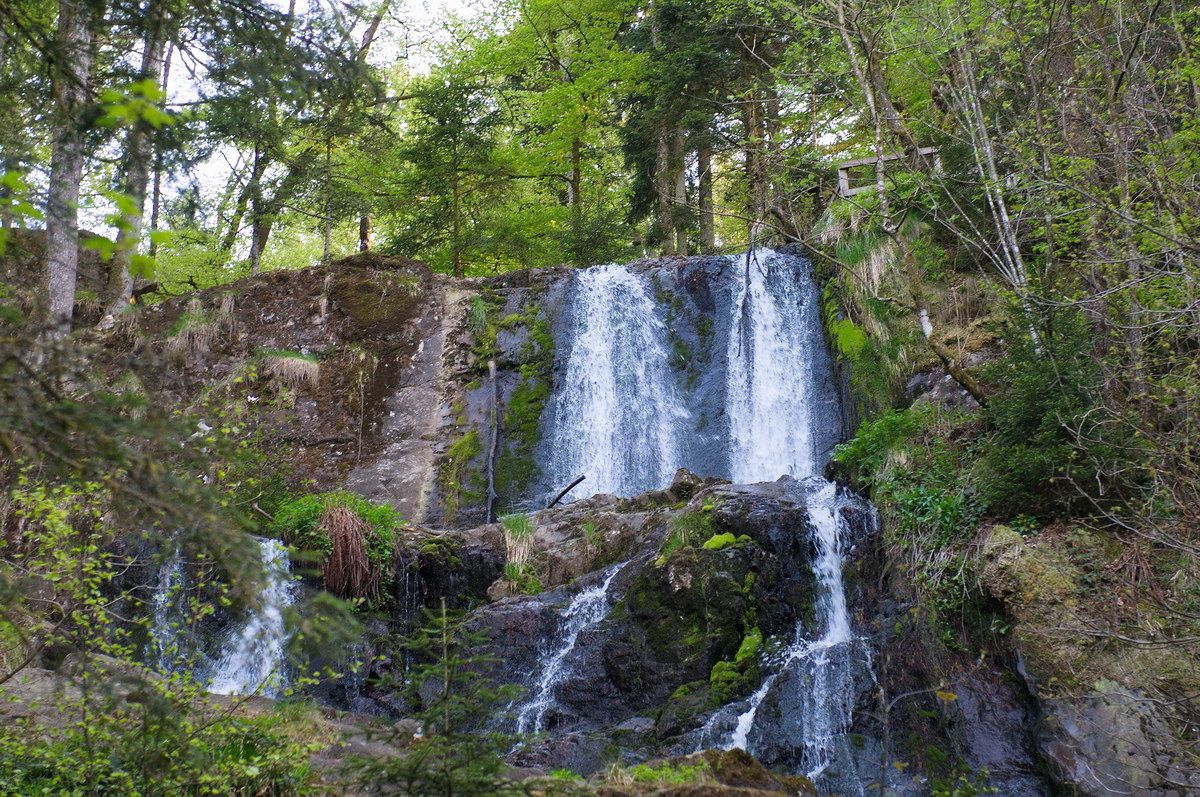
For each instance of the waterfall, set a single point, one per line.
(252, 655)
(616, 417)
(820, 670)
(775, 354)
(585, 610)
(777, 362)
(164, 631)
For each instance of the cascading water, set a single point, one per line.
(252, 656)
(585, 610)
(818, 671)
(775, 353)
(616, 419)
(776, 363)
(163, 628)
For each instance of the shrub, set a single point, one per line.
(340, 529)
(172, 743)
(518, 537)
(1036, 399)
(866, 453)
(522, 578)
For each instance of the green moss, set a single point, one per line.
(724, 678)
(441, 551)
(516, 467)
(719, 541)
(454, 473)
(751, 644)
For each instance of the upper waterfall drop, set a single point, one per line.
(776, 358)
(617, 417)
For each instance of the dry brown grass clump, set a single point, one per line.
(293, 370)
(225, 312)
(195, 332)
(347, 571)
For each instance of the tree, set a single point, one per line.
(138, 158)
(71, 92)
(452, 754)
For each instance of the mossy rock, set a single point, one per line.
(377, 302)
(718, 541)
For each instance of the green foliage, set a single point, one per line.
(668, 774)
(451, 697)
(688, 529)
(1039, 402)
(866, 453)
(298, 522)
(170, 742)
(523, 578)
(517, 526)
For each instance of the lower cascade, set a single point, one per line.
(817, 670)
(586, 609)
(252, 654)
(249, 658)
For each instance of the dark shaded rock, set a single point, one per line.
(1113, 741)
(991, 722)
(695, 276)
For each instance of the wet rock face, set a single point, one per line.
(990, 722)
(678, 607)
(1113, 741)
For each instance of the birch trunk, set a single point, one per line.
(679, 166)
(72, 79)
(708, 238)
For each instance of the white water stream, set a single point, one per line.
(775, 343)
(585, 610)
(617, 417)
(252, 655)
(823, 667)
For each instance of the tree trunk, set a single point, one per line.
(456, 230)
(327, 220)
(71, 86)
(135, 167)
(708, 237)
(756, 165)
(156, 190)
(251, 191)
(260, 233)
(575, 183)
(364, 231)
(662, 187)
(681, 204)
